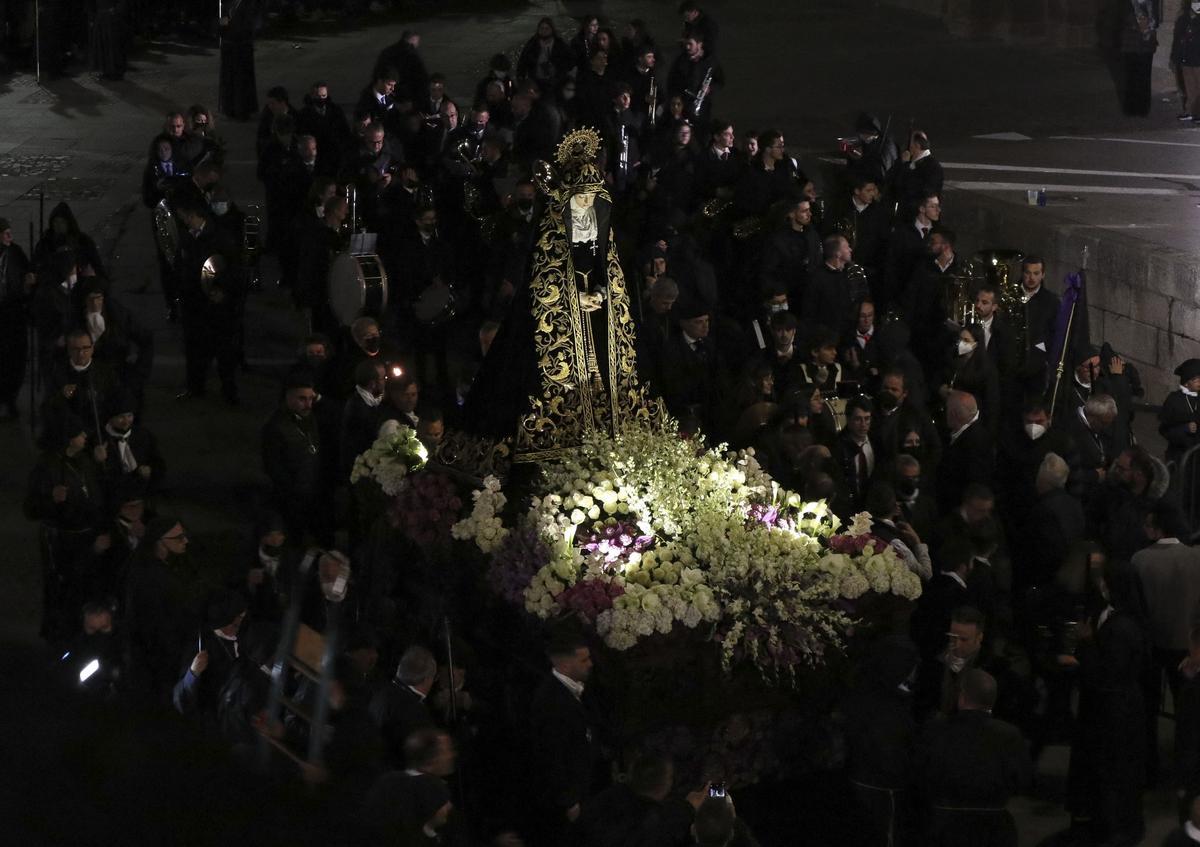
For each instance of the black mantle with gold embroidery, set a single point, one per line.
(584, 376)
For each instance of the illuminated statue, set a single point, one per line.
(582, 329)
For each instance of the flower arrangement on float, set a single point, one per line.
(396, 453)
(646, 534)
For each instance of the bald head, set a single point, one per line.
(976, 690)
(960, 408)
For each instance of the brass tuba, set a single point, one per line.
(961, 294)
(166, 231)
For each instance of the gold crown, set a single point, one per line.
(578, 148)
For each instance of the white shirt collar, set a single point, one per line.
(1187, 393)
(954, 576)
(80, 370)
(1191, 831)
(1168, 541)
(954, 435)
(576, 688)
(922, 155)
(367, 397)
(859, 207)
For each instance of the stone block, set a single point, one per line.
(1148, 307)
(1170, 273)
(1185, 320)
(1137, 340)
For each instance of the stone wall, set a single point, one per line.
(1142, 299)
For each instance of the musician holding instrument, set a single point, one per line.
(832, 293)
(866, 226)
(315, 260)
(210, 286)
(622, 129)
(694, 76)
(649, 95)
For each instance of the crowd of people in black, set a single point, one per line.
(819, 325)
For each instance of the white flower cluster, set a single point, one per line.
(883, 573)
(390, 459)
(643, 611)
(484, 525)
(695, 537)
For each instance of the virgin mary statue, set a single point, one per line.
(563, 365)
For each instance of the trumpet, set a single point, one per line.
(702, 94)
(653, 98)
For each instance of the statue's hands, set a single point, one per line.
(591, 301)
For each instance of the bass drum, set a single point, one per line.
(358, 286)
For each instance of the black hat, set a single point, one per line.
(119, 402)
(5, 224)
(222, 607)
(1190, 369)
(1085, 353)
(687, 308)
(867, 123)
(159, 526)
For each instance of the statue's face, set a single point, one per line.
(584, 201)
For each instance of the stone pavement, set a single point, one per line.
(805, 66)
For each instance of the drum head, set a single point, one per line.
(347, 289)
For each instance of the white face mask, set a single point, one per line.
(71, 280)
(1034, 431)
(1196, 8)
(220, 207)
(778, 307)
(965, 347)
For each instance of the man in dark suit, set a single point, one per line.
(865, 222)
(927, 300)
(720, 165)
(831, 295)
(898, 414)
(945, 593)
(565, 747)
(793, 251)
(291, 451)
(917, 506)
(378, 98)
(403, 59)
(907, 246)
(970, 765)
(1169, 573)
(969, 457)
(1000, 343)
(1093, 430)
(360, 414)
(693, 378)
(857, 456)
(917, 175)
(399, 708)
(1041, 313)
(1055, 525)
